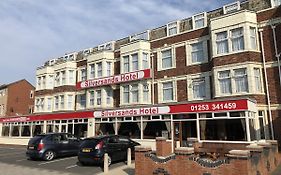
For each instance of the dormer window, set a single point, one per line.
(199, 20)
(172, 28)
(86, 52)
(106, 46)
(229, 8)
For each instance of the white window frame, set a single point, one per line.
(194, 19)
(71, 75)
(98, 97)
(232, 7)
(92, 68)
(188, 50)
(145, 60)
(258, 80)
(161, 91)
(253, 38)
(159, 58)
(99, 69)
(127, 63)
(70, 101)
(172, 25)
(232, 38)
(244, 76)
(83, 77)
(273, 3)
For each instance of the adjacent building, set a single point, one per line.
(214, 76)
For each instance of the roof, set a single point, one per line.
(6, 85)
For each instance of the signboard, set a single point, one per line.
(215, 106)
(116, 79)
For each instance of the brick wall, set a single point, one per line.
(19, 99)
(258, 159)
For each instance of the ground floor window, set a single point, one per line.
(15, 131)
(5, 130)
(223, 129)
(37, 129)
(105, 128)
(155, 129)
(130, 129)
(25, 131)
(80, 130)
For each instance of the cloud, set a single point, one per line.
(33, 32)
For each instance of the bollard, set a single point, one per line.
(105, 163)
(129, 157)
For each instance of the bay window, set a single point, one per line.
(108, 96)
(98, 95)
(257, 76)
(82, 100)
(126, 65)
(61, 101)
(145, 93)
(145, 58)
(71, 77)
(224, 82)
(108, 68)
(92, 98)
(237, 39)
(135, 64)
(63, 78)
(69, 101)
(49, 104)
(99, 69)
(56, 102)
(83, 74)
(126, 96)
(240, 79)
(135, 93)
(253, 39)
(92, 71)
(222, 42)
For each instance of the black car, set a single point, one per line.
(92, 150)
(52, 145)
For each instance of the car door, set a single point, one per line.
(125, 144)
(114, 148)
(73, 144)
(65, 146)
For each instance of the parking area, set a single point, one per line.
(14, 162)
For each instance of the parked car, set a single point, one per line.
(52, 145)
(92, 150)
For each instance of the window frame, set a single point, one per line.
(204, 20)
(237, 7)
(161, 91)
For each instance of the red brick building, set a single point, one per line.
(16, 98)
(214, 76)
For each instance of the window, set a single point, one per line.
(172, 28)
(231, 7)
(135, 64)
(145, 63)
(276, 2)
(257, 76)
(224, 82)
(237, 39)
(61, 101)
(135, 93)
(49, 104)
(108, 96)
(126, 94)
(99, 69)
(197, 53)
(240, 79)
(69, 101)
(39, 83)
(198, 88)
(63, 77)
(51, 77)
(98, 97)
(57, 79)
(222, 43)
(83, 74)
(82, 100)
(108, 68)
(145, 92)
(199, 21)
(126, 65)
(92, 71)
(71, 76)
(43, 82)
(253, 40)
(167, 59)
(56, 102)
(92, 98)
(168, 91)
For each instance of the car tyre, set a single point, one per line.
(49, 155)
(109, 160)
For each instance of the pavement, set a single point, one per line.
(121, 170)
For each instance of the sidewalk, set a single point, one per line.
(122, 170)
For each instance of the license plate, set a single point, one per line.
(86, 150)
(31, 147)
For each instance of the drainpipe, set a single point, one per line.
(276, 52)
(152, 71)
(266, 83)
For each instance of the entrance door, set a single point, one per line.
(184, 130)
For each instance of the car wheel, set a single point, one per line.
(49, 155)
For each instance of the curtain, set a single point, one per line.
(257, 79)
(197, 52)
(199, 88)
(202, 129)
(237, 39)
(225, 82)
(168, 126)
(222, 43)
(116, 125)
(97, 128)
(241, 80)
(167, 58)
(135, 62)
(167, 91)
(144, 124)
(139, 125)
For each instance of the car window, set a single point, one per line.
(72, 137)
(113, 140)
(124, 140)
(63, 137)
(56, 138)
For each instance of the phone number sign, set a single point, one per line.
(231, 105)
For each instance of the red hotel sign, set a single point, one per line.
(215, 106)
(131, 76)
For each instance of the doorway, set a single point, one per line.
(184, 130)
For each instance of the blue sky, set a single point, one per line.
(34, 31)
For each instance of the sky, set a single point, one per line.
(35, 31)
